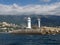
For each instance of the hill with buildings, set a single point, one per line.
(46, 20)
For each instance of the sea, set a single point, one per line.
(18, 39)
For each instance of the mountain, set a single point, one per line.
(46, 20)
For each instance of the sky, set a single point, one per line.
(29, 7)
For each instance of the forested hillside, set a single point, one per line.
(46, 20)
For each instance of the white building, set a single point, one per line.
(39, 22)
(29, 22)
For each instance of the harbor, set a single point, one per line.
(45, 30)
(37, 30)
(29, 29)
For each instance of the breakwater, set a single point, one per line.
(42, 30)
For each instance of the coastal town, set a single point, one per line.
(6, 27)
(17, 29)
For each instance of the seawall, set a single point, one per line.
(42, 30)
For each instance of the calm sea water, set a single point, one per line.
(12, 39)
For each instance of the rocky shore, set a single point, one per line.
(50, 30)
(42, 30)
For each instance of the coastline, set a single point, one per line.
(42, 30)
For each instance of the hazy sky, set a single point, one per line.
(28, 7)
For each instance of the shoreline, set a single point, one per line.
(42, 30)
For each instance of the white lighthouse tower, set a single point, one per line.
(39, 22)
(29, 23)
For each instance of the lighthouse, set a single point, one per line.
(38, 22)
(29, 22)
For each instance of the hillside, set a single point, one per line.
(46, 20)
